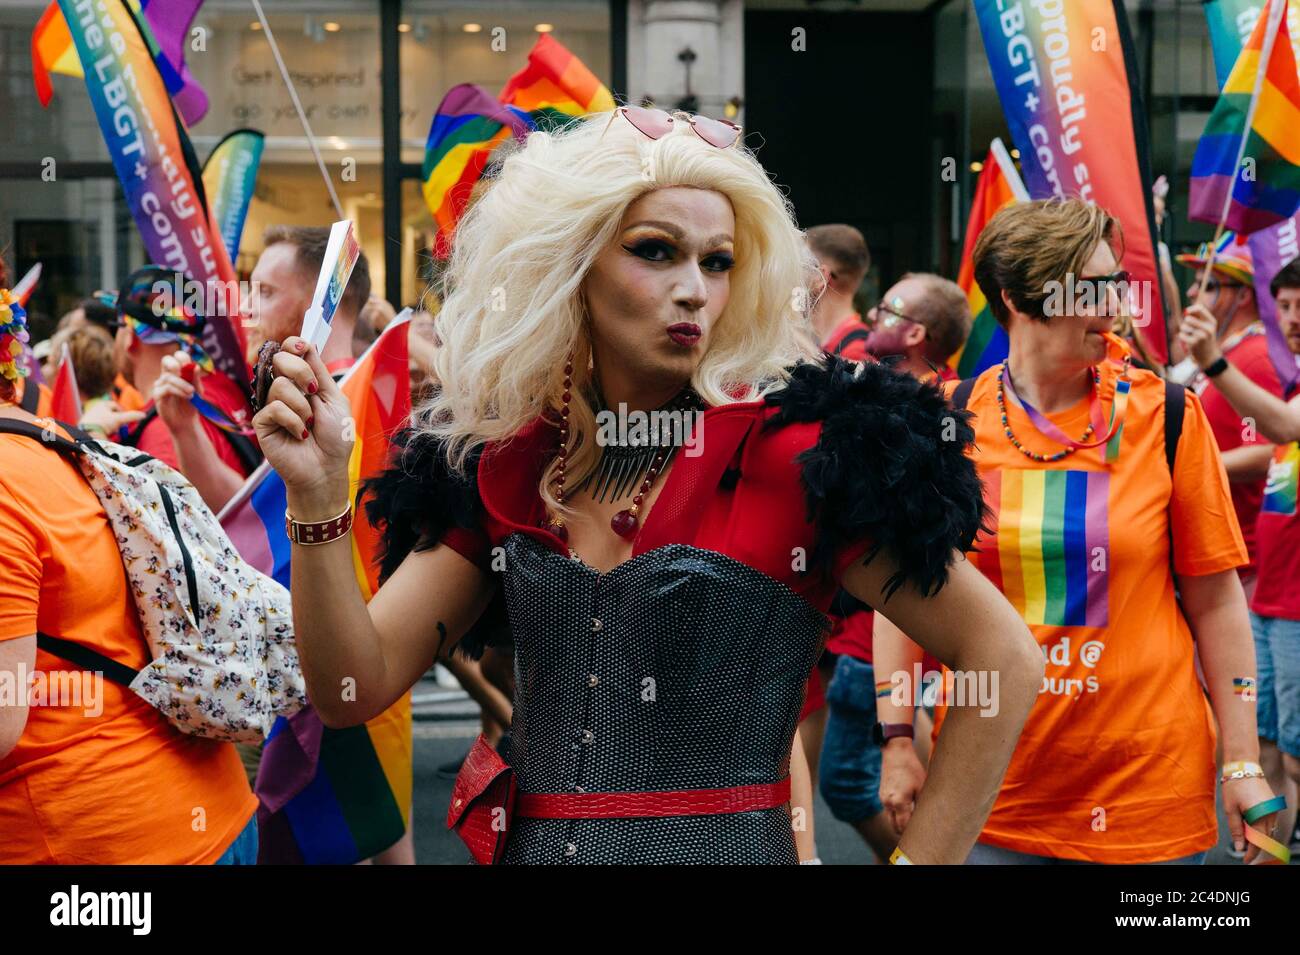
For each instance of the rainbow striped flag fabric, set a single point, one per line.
(467, 127)
(1283, 478)
(1246, 170)
(166, 25)
(999, 186)
(334, 796)
(1048, 556)
(552, 88)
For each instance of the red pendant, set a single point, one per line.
(624, 523)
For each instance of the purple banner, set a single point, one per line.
(1271, 249)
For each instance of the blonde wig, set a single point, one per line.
(512, 306)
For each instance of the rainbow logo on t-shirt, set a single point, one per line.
(1052, 550)
(1283, 476)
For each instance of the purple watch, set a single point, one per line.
(884, 732)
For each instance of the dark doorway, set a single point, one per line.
(844, 124)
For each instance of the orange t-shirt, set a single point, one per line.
(1116, 761)
(115, 786)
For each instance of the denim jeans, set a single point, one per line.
(849, 773)
(243, 851)
(1277, 685)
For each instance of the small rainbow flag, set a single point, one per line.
(165, 26)
(1050, 554)
(1283, 478)
(999, 186)
(1246, 170)
(552, 88)
(334, 796)
(1244, 687)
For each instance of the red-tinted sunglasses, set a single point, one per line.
(657, 123)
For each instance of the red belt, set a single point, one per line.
(681, 802)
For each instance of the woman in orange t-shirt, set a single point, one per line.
(1116, 763)
(89, 772)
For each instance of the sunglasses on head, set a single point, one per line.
(657, 123)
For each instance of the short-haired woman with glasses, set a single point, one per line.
(1092, 534)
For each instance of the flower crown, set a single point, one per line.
(13, 336)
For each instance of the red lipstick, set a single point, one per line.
(685, 334)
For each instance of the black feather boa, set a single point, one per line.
(881, 468)
(416, 500)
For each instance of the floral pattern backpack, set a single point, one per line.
(220, 632)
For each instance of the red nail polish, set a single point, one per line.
(304, 435)
(311, 388)
(310, 420)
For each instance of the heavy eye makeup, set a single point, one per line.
(662, 250)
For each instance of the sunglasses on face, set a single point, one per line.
(1213, 285)
(657, 123)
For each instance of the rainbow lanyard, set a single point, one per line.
(1114, 429)
(219, 417)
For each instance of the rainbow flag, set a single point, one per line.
(467, 127)
(1246, 170)
(1283, 478)
(999, 186)
(552, 88)
(1053, 534)
(165, 24)
(334, 796)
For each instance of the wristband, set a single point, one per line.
(1241, 769)
(900, 858)
(1216, 367)
(318, 532)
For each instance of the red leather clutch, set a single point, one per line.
(482, 803)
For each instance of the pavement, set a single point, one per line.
(446, 723)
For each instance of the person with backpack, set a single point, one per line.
(157, 349)
(1111, 530)
(90, 773)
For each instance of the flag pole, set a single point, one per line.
(297, 104)
(1276, 11)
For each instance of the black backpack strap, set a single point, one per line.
(132, 436)
(31, 399)
(86, 658)
(55, 442)
(857, 335)
(961, 394)
(248, 451)
(1175, 406)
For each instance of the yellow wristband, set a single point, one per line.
(900, 858)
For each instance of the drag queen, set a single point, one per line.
(665, 575)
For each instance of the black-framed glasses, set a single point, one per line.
(657, 123)
(1101, 284)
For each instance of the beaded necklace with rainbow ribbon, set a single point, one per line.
(1114, 428)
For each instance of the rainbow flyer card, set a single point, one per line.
(340, 257)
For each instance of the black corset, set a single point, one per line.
(679, 669)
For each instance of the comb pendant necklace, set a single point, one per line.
(629, 465)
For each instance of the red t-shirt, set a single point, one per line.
(1277, 538)
(156, 440)
(855, 350)
(1250, 355)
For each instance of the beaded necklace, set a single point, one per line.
(1045, 426)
